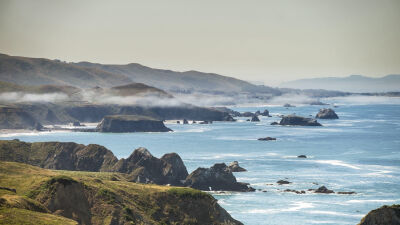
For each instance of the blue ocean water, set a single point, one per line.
(359, 152)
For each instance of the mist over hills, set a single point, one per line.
(353, 83)
(193, 87)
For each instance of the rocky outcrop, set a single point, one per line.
(143, 167)
(265, 113)
(302, 156)
(280, 182)
(385, 215)
(229, 118)
(216, 178)
(255, 119)
(58, 155)
(131, 123)
(185, 121)
(274, 123)
(267, 139)
(234, 167)
(326, 114)
(324, 190)
(247, 114)
(293, 120)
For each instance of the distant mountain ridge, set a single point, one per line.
(353, 83)
(40, 71)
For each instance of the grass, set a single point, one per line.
(15, 216)
(111, 195)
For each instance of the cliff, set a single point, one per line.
(69, 197)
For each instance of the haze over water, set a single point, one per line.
(359, 152)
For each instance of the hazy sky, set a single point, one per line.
(269, 41)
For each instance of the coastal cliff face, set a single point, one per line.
(385, 215)
(131, 123)
(91, 198)
(25, 115)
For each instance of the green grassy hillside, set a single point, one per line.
(55, 197)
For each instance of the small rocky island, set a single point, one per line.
(131, 123)
(326, 114)
(293, 120)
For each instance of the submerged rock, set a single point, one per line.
(280, 182)
(216, 178)
(131, 123)
(185, 121)
(385, 215)
(301, 156)
(267, 139)
(274, 123)
(234, 167)
(327, 114)
(294, 120)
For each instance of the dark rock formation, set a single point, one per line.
(175, 170)
(185, 121)
(194, 121)
(301, 156)
(385, 215)
(257, 113)
(229, 118)
(76, 124)
(234, 167)
(294, 191)
(280, 182)
(206, 122)
(178, 122)
(324, 190)
(287, 105)
(255, 119)
(216, 178)
(131, 123)
(326, 114)
(247, 114)
(227, 110)
(294, 120)
(346, 192)
(265, 113)
(143, 167)
(267, 139)
(274, 123)
(38, 126)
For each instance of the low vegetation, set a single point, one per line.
(70, 197)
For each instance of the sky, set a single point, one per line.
(261, 41)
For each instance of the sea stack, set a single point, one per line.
(294, 120)
(131, 123)
(326, 114)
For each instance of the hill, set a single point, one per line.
(353, 83)
(31, 195)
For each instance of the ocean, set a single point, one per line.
(359, 152)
